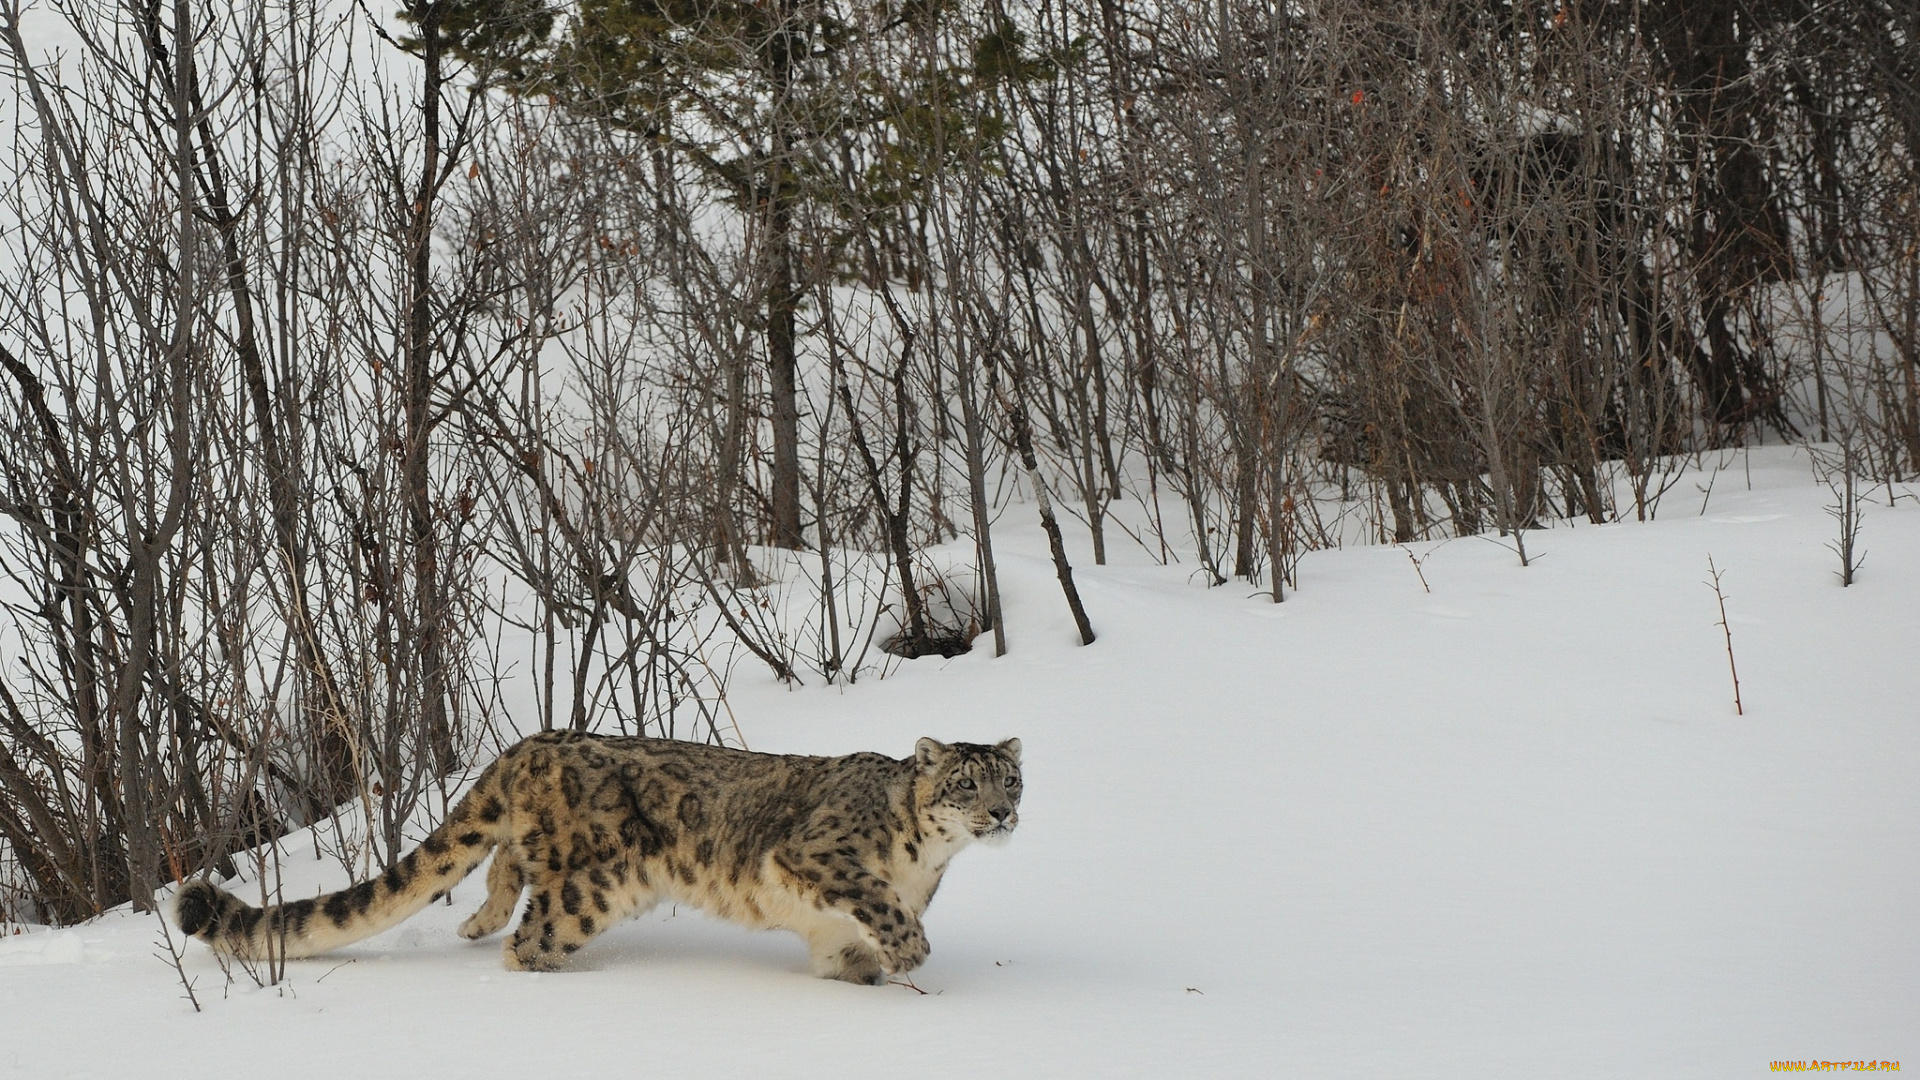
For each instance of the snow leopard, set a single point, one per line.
(847, 851)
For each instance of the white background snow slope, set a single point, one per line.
(1511, 827)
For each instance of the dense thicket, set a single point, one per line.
(348, 368)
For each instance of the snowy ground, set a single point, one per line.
(1511, 827)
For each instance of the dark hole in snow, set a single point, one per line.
(938, 641)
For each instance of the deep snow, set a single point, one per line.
(1511, 827)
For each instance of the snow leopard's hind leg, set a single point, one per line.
(504, 885)
(566, 911)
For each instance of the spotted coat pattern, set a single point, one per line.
(847, 851)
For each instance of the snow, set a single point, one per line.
(1508, 827)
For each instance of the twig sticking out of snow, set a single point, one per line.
(1841, 476)
(172, 958)
(1423, 580)
(1728, 631)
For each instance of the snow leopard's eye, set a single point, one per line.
(967, 784)
(1013, 781)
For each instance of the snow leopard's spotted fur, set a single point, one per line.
(847, 851)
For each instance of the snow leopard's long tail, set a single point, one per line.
(310, 927)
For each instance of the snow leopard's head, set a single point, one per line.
(969, 789)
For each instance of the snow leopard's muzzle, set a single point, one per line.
(998, 828)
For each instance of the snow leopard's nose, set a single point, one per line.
(1001, 814)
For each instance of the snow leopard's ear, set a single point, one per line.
(1011, 747)
(928, 751)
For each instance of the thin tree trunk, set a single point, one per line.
(977, 497)
(783, 378)
(782, 297)
(1016, 409)
(429, 615)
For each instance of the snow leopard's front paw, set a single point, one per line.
(857, 964)
(902, 948)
